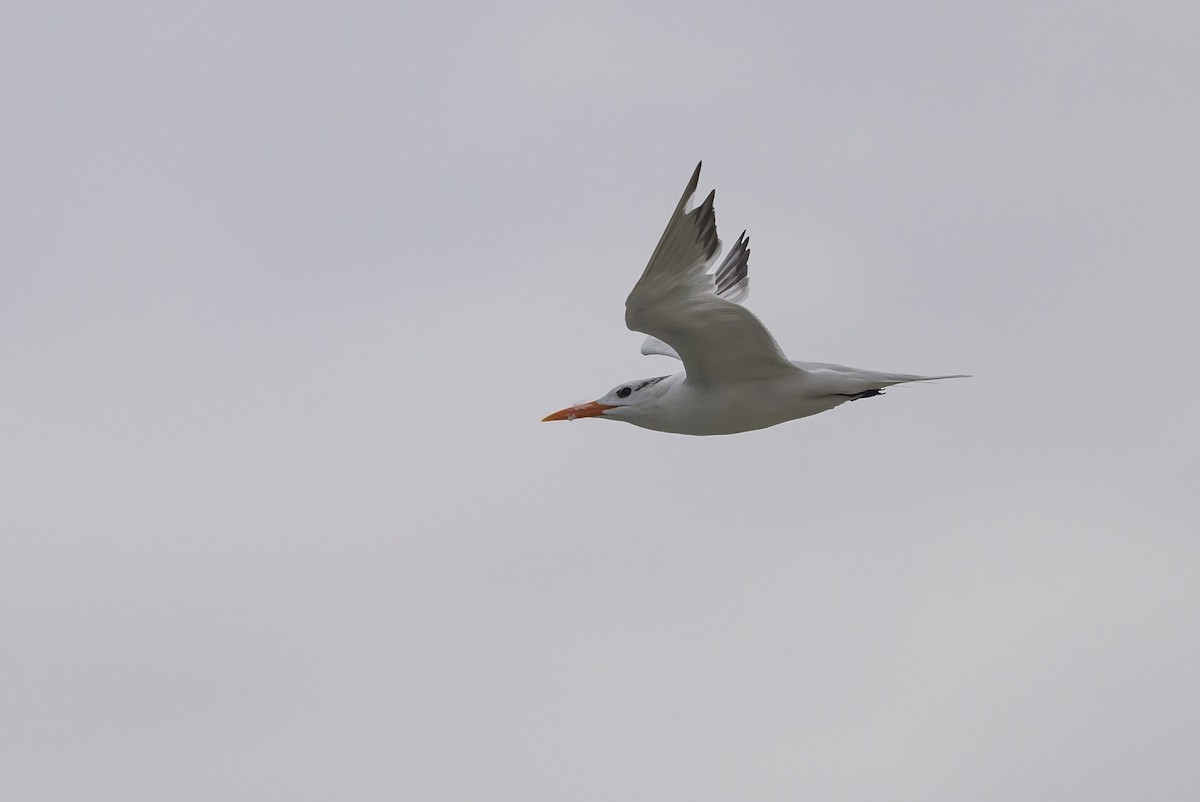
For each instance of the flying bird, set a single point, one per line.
(735, 377)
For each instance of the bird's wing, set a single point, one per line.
(678, 302)
(732, 283)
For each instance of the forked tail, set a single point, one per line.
(855, 383)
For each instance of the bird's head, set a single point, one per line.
(629, 401)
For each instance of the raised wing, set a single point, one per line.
(732, 283)
(695, 313)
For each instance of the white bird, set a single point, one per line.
(735, 377)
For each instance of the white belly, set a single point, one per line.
(732, 408)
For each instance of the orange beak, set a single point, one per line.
(588, 410)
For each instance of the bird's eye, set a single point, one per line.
(624, 392)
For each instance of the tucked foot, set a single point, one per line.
(863, 394)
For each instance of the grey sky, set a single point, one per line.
(285, 288)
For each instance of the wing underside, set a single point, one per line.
(732, 279)
(695, 315)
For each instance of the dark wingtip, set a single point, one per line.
(691, 186)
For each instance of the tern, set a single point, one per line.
(735, 377)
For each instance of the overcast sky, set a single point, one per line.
(285, 289)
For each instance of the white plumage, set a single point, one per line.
(735, 378)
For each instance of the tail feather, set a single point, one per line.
(902, 378)
(844, 380)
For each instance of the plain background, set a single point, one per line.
(285, 289)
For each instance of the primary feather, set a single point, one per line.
(697, 314)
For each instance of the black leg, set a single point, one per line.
(863, 394)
